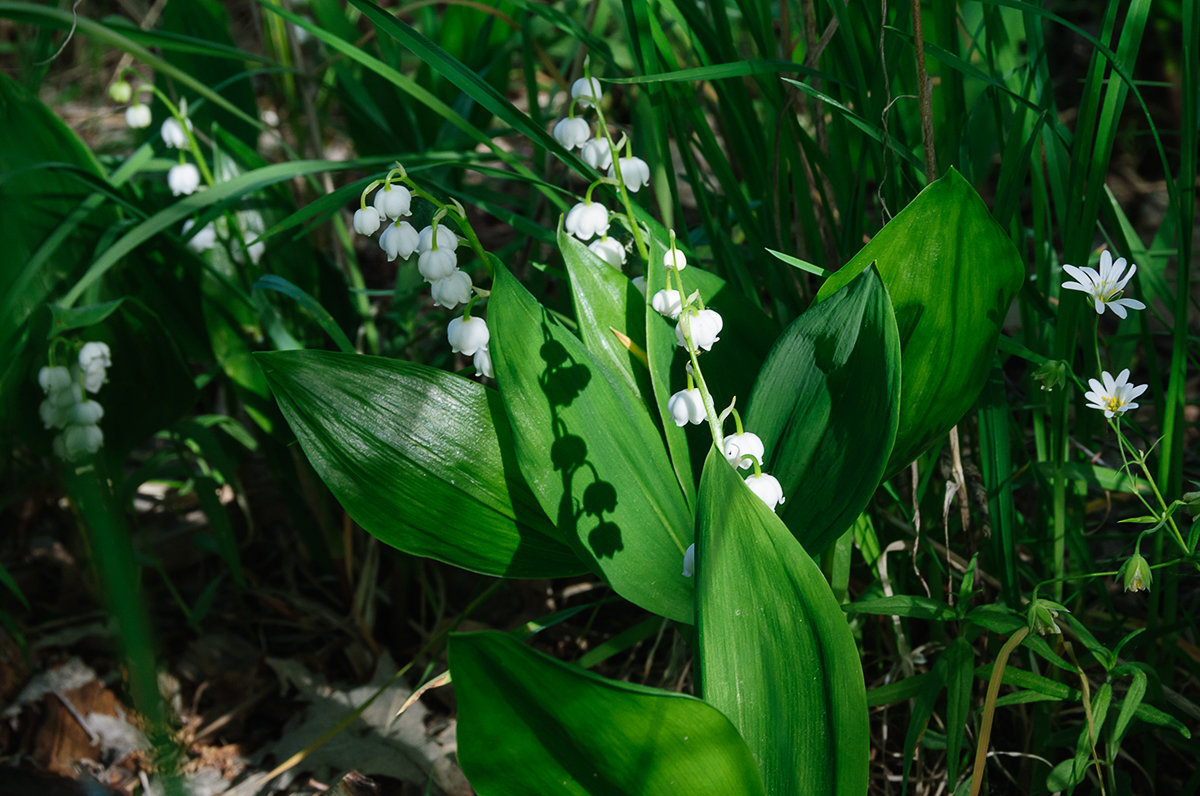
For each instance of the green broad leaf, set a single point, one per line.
(826, 406)
(418, 457)
(591, 453)
(64, 320)
(607, 302)
(951, 273)
(531, 724)
(775, 652)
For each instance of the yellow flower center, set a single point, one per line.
(1113, 404)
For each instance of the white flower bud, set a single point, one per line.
(137, 116)
(597, 154)
(705, 326)
(467, 335)
(686, 406)
(173, 134)
(399, 240)
(483, 364)
(393, 201)
(668, 303)
(366, 220)
(737, 446)
(183, 179)
(634, 172)
(446, 239)
(586, 220)
(586, 91)
(120, 92)
(689, 561)
(609, 250)
(437, 264)
(767, 488)
(572, 133)
(674, 258)
(452, 290)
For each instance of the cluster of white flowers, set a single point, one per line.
(588, 219)
(437, 262)
(1113, 396)
(66, 406)
(697, 329)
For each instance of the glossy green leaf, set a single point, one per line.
(913, 607)
(775, 653)
(826, 406)
(606, 300)
(529, 724)
(420, 458)
(951, 272)
(591, 453)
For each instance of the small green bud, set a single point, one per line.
(120, 91)
(1192, 499)
(1041, 616)
(1136, 574)
(1051, 374)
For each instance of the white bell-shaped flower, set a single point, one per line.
(572, 133)
(483, 364)
(94, 361)
(634, 171)
(173, 134)
(137, 116)
(587, 220)
(686, 406)
(767, 488)
(366, 221)
(597, 154)
(689, 561)
(54, 379)
(452, 290)
(399, 240)
(705, 327)
(87, 413)
(738, 446)
(467, 335)
(668, 303)
(95, 353)
(393, 201)
(446, 239)
(203, 240)
(437, 264)
(587, 91)
(674, 258)
(53, 416)
(609, 250)
(80, 440)
(183, 179)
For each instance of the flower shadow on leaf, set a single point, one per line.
(562, 382)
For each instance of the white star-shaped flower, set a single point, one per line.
(1115, 396)
(1105, 286)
